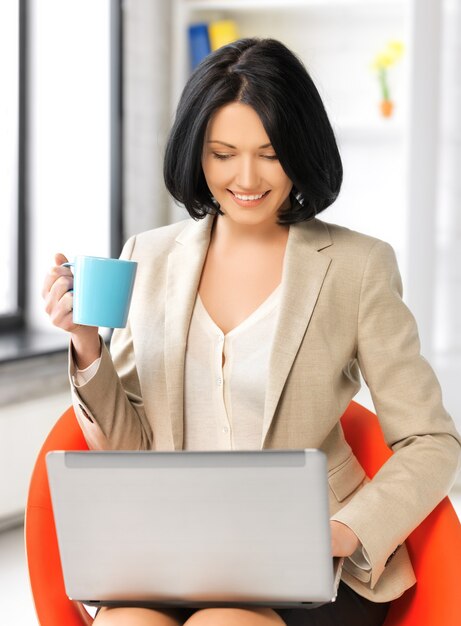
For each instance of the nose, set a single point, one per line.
(248, 176)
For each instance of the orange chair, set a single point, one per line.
(435, 546)
(52, 606)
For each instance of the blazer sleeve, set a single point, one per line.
(109, 407)
(408, 401)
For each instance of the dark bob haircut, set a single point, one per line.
(267, 76)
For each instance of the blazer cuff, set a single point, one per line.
(81, 377)
(372, 549)
(360, 559)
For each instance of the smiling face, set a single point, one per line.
(241, 168)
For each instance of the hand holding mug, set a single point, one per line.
(59, 303)
(97, 294)
(57, 292)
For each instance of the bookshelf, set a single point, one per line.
(298, 23)
(277, 5)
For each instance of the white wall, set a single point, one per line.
(23, 428)
(448, 277)
(146, 113)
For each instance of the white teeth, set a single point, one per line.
(240, 197)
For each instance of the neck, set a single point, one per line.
(227, 232)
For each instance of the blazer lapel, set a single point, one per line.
(185, 265)
(304, 271)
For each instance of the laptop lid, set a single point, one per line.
(193, 528)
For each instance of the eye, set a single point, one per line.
(221, 157)
(272, 157)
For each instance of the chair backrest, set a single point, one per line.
(434, 547)
(52, 606)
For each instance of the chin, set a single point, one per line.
(246, 217)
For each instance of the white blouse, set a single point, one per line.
(225, 379)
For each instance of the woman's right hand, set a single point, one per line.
(58, 296)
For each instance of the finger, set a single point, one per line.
(62, 308)
(61, 286)
(62, 313)
(55, 272)
(60, 258)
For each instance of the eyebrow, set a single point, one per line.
(266, 145)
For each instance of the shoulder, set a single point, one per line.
(347, 239)
(354, 255)
(363, 260)
(358, 247)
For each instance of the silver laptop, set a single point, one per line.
(194, 529)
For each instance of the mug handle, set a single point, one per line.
(68, 265)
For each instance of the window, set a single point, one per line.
(12, 175)
(73, 152)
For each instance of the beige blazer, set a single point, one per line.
(341, 311)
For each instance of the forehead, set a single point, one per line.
(237, 124)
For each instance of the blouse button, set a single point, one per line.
(219, 381)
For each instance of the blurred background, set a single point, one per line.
(88, 94)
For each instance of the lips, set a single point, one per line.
(251, 202)
(248, 197)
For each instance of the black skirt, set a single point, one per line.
(349, 609)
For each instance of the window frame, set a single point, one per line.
(116, 127)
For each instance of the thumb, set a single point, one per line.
(60, 258)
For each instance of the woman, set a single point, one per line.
(249, 325)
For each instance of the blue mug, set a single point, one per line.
(102, 290)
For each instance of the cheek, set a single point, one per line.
(284, 183)
(211, 172)
(217, 176)
(278, 177)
